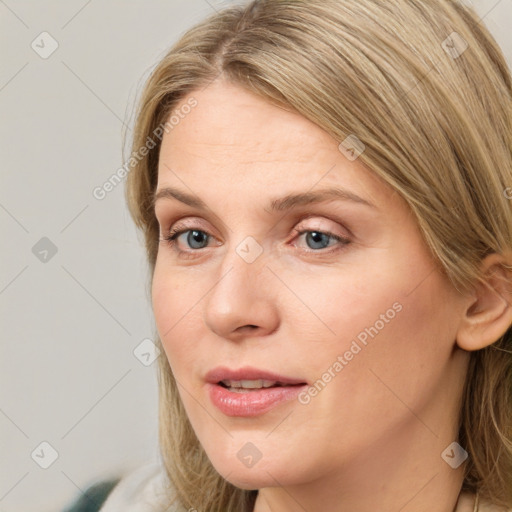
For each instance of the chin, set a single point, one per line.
(264, 473)
(248, 479)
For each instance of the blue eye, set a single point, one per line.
(198, 239)
(195, 236)
(318, 237)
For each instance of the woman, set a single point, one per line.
(324, 189)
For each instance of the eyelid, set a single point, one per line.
(168, 216)
(196, 223)
(185, 223)
(334, 219)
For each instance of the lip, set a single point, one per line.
(250, 403)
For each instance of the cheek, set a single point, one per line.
(177, 316)
(340, 305)
(395, 323)
(399, 361)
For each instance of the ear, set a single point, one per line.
(488, 314)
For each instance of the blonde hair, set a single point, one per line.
(434, 111)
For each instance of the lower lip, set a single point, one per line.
(251, 403)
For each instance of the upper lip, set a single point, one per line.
(220, 373)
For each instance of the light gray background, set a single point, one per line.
(70, 324)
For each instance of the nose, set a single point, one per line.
(242, 302)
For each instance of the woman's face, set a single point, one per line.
(335, 296)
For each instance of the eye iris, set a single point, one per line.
(317, 237)
(196, 236)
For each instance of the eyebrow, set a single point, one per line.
(276, 205)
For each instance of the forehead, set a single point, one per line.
(230, 120)
(233, 136)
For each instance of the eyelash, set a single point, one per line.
(171, 237)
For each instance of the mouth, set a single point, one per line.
(249, 391)
(246, 386)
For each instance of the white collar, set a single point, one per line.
(145, 489)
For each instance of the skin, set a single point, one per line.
(372, 438)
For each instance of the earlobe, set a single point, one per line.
(489, 310)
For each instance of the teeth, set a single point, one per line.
(249, 384)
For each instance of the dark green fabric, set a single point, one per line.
(94, 497)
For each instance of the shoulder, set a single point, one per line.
(143, 489)
(486, 506)
(95, 495)
(466, 503)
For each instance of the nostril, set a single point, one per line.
(251, 327)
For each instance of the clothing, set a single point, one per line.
(92, 499)
(144, 490)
